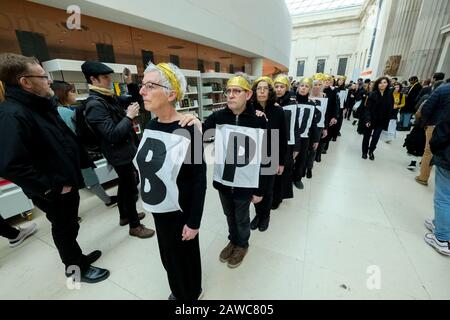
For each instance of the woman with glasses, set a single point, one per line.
(264, 100)
(66, 94)
(177, 222)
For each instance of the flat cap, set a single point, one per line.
(95, 68)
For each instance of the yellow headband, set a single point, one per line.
(307, 81)
(283, 80)
(239, 81)
(266, 79)
(327, 77)
(170, 75)
(342, 77)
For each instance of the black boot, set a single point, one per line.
(264, 224)
(309, 173)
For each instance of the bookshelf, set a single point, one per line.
(191, 102)
(213, 98)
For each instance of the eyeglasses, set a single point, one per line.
(234, 92)
(262, 89)
(151, 85)
(32, 76)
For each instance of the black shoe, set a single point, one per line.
(93, 256)
(255, 223)
(334, 139)
(113, 202)
(324, 152)
(319, 158)
(93, 275)
(354, 123)
(264, 224)
(275, 206)
(371, 156)
(412, 166)
(364, 156)
(299, 185)
(339, 134)
(309, 173)
(79, 219)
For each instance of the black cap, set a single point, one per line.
(94, 68)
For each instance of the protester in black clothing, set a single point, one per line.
(336, 132)
(177, 231)
(264, 99)
(118, 141)
(236, 201)
(311, 133)
(407, 112)
(438, 76)
(41, 155)
(378, 113)
(283, 187)
(331, 114)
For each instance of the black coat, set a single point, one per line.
(39, 153)
(276, 121)
(248, 119)
(379, 109)
(115, 131)
(436, 105)
(411, 99)
(440, 142)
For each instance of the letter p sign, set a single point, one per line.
(241, 150)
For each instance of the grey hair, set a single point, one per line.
(243, 75)
(165, 82)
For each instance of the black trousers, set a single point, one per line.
(237, 212)
(283, 188)
(181, 259)
(263, 208)
(63, 215)
(373, 133)
(349, 113)
(127, 193)
(312, 153)
(7, 231)
(300, 161)
(337, 128)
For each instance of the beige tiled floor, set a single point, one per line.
(353, 214)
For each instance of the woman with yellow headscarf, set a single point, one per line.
(264, 100)
(178, 209)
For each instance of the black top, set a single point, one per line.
(108, 119)
(249, 119)
(411, 98)
(39, 153)
(276, 121)
(440, 142)
(191, 180)
(379, 109)
(332, 107)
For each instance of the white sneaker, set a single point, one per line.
(24, 233)
(412, 166)
(441, 247)
(429, 224)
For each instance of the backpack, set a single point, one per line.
(415, 141)
(83, 130)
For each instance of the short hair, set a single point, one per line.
(438, 76)
(13, 66)
(426, 82)
(396, 79)
(367, 81)
(165, 81)
(61, 90)
(413, 78)
(398, 84)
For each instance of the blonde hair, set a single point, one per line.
(2, 92)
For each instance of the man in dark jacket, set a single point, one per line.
(235, 200)
(439, 238)
(432, 112)
(41, 155)
(438, 76)
(118, 141)
(409, 109)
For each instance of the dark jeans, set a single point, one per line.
(263, 208)
(237, 212)
(127, 193)
(375, 133)
(181, 259)
(300, 161)
(63, 215)
(7, 231)
(349, 113)
(283, 188)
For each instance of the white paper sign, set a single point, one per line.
(305, 118)
(290, 113)
(357, 105)
(238, 153)
(159, 159)
(322, 107)
(343, 97)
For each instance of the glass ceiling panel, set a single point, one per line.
(297, 7)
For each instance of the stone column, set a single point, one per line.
(428, 40)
